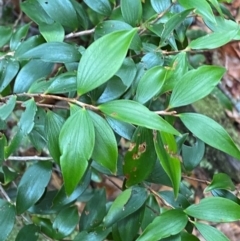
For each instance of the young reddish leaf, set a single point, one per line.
(102, 59)
(76, 141)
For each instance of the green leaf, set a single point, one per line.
(210, 233)
(174, 222)
(151, 211)
(77, 138)
(8, 69)
(61, 199)
(63, 83)
(126, 203)
(195, 85)
(93, 215)
(32, 185)
(98, 234)
(30, 7)
(52, 32)
(5, 33)
(110, 26)
(19, 36)
(150, 84)
(132, 11)
(60, 53)
(62, 11)
(188, 237)
(105, 151)
(220, 181)
(172, 24)
(209, 131)
(101, 6)
(135, 113)
(9, 175)
(7, 219)
(7, 108)
(213, 40)
(166, 149)
(192, 155)
(225, 194)
(33, 70)
(52, 127)
(202, 7)
(3, 143)
(123, 129)
(215, 209)
(102, 60)
(28, 233)
(65, 228)
(160, 6)
(140, 152)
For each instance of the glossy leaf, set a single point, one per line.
(102, 60)
(7, 108)
(52, 32)
(32, 185)
(110, 26)
(9, 175)
(52, 128)
(107, 152)
(61, 199)
(98, 234)
(150, 84)
(3, 143)
(202, 7)
(29, 232)
(60, 53)
(160, 6)
(173, 23)
(192, 155)
(76, 141)
(140, 152)
(30, 7)
(7, 219)
(123, 129)
(63, 83)
(210, 132)
(215, 209)
(8, 69)
(220, 181)
(210, 233)
(66, 221)
(126, 203)
(131, 11)
(174, 222)
(93, 215)
(5, 33)
(135, 113)
(213, 40)
(225, 194)
(18, 36)
(195, 85)
(102, 6)
(62, 11)
(33, 70)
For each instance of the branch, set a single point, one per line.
(29, 158)
(197, 180)
(163, 112)
(5, 194)
(81, 33)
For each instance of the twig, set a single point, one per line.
(197, 180)
(29, 158)
(5, 195)
(81, 33)
(163, 112)
(114, 183)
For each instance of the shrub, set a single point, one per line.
(94, 88)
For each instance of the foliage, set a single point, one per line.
(92, 76)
